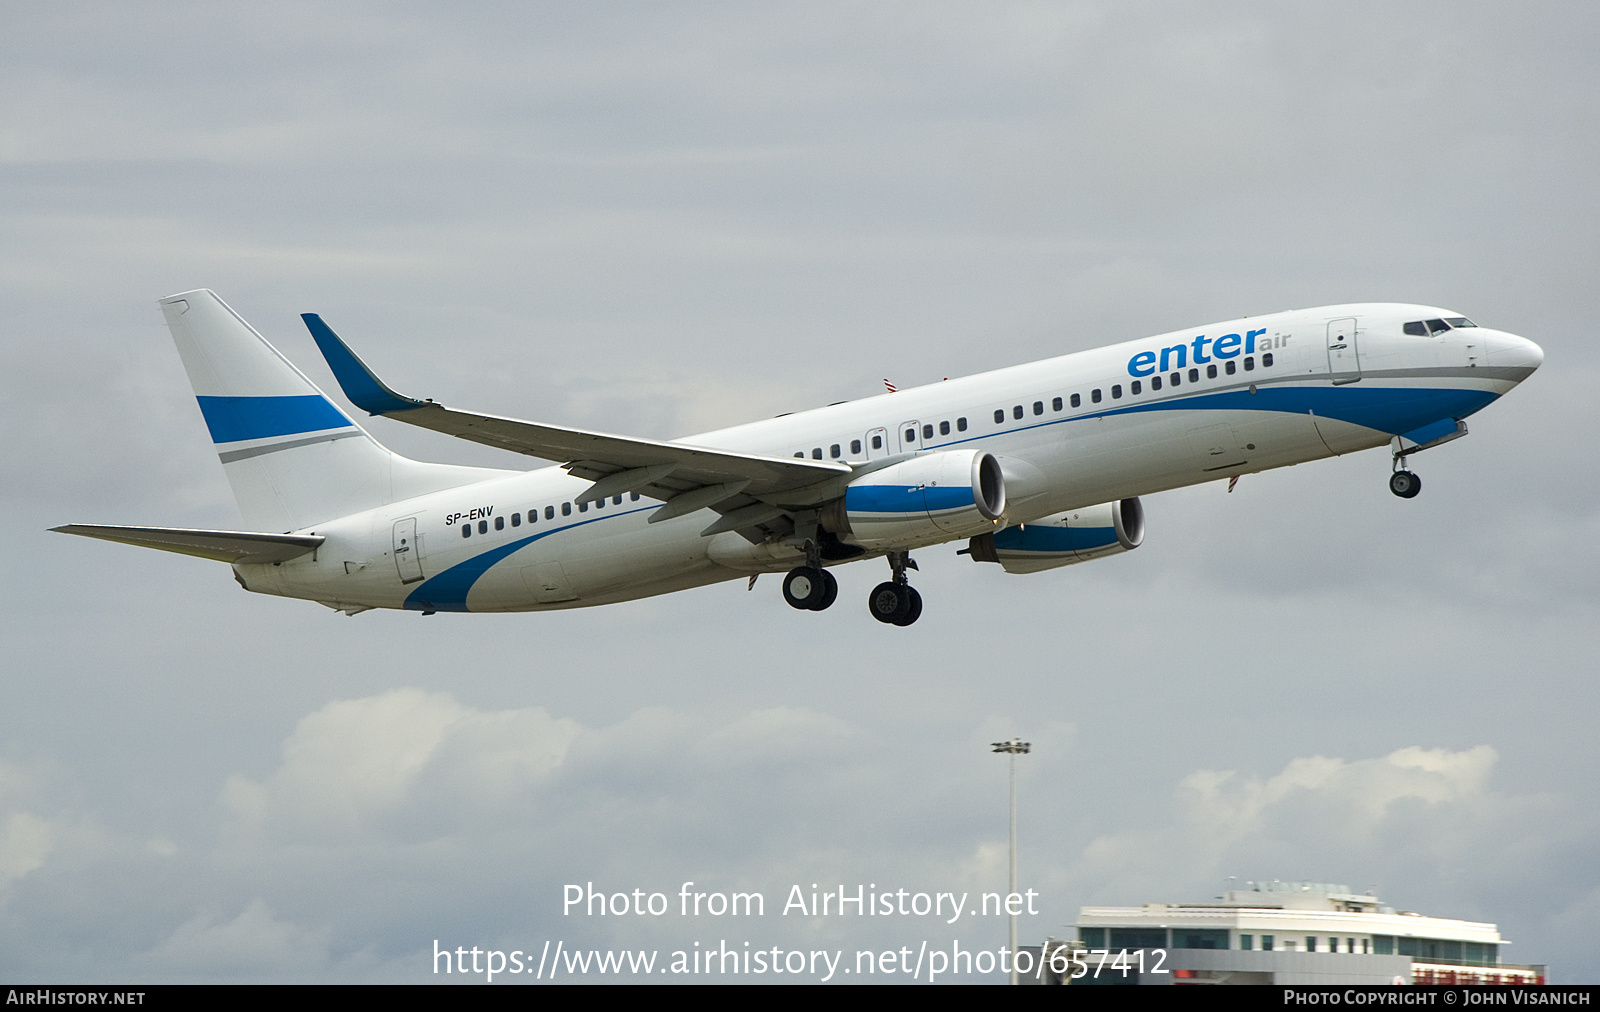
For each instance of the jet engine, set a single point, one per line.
(930, 498)
(1063, 538)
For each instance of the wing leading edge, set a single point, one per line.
(747, 489)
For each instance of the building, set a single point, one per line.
(1289, 933)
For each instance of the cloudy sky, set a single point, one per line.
(660, 219)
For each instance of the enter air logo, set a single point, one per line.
(1148, 363)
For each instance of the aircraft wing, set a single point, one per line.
(735, 484)
(222, 546)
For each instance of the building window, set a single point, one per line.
(1266, 943)
(1245, 941)
(961, 424)
(1311, 943)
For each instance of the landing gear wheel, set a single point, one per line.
(804, 588)
(830, 591)
(1405, 484)
(890, 602)
(915, 611)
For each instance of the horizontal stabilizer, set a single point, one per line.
(222, 546)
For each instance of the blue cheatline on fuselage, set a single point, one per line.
(448, 591)
(232, 419)
(1387, 409)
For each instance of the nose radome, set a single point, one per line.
(1508, 351)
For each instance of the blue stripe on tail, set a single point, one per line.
(231, 419)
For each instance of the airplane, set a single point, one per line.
(1034, 466)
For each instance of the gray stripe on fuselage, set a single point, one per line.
(255, 451)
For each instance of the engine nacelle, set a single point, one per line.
(922, 501)
(1064, 538)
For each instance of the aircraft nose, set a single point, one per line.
(1517, 354)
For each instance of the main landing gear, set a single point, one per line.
(896, 602)
(810, 588)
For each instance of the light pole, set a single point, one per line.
(1013, 748)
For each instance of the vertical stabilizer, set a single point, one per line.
(293, 458)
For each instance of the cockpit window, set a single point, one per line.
(1416, 328)
(1438, 326)
(1459, 321)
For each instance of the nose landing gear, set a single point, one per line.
(1405, 484)
(896, 602)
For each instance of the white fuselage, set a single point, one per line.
(1340, 379)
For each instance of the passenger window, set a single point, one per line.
(855, 446)
(944, 428)
(483, 527)
(616, 500)
(1094, 395)
(583, 507)
(549, 512)
(800, 454)
(599, 504)
(466, 530)
(1211, 371)
(1176, 379)
(1055, 405)
(566, 509)
(999, 416)
(961, 424)
(927, 432)
(1231, 367)
(1076, 400)
(499, 523)
(816, 453)
(1016, 412)
(1249, 363)
(634, 496)
(877, 444)
(1135, 389)
(834, 451)
(1116, 391)
(1038, 407)
(1194, 375)
(1155, 383)
(516, 519)
(1266, 360)
(533, 515)
(911, 435)
(1417, 328)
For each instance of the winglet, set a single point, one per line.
(365, 390)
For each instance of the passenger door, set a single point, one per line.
(1344, 362)
(407, 552)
